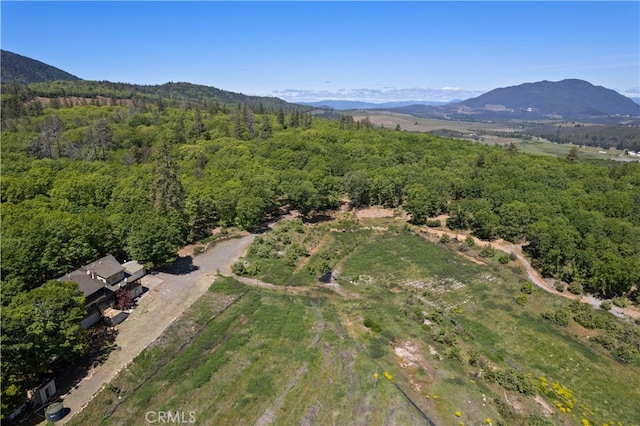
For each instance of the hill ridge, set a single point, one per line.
(22, 69)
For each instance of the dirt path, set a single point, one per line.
(295, 290)
(168, 297)
(533, 275)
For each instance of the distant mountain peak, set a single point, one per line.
(566, 99)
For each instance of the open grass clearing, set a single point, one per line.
(309, 359)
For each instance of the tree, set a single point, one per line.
(486, 225)
(166, 189)
(572, 155)
(123, 299)
(417, 202)
(39, 327)
(198, 126)
(514, 220)
(249, 211)
(356, 185)
(266, 130)
(155, 238)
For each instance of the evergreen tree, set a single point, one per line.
(166, 189)
(266, 130)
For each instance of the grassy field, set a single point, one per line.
(455, 345)
(490, 134)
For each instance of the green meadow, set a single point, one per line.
(406, 332)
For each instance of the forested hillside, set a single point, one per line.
(140, 179)
(96, 179)
(20, 69)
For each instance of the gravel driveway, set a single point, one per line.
(168, 296)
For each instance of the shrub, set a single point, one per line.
(433, 223)
(621, 302)
(522, 299)
(606, 305)
(513, 257)
(560, 316)
(512, 379)
(470, 241)
(503, 258)
(606, 340)
(372, 324)
(559, 285)
(239, 268)
(526, 287)
(576, 288)
(626, 353)
(455, 354)
(487, 251)
(376, 348)
(445, 239)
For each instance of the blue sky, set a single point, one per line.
(370, 51)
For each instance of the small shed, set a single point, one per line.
(44, 392)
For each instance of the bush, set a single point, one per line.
(576, 288)
(239, 268)
(621, 302)
(503, 258)
(526, 287)
(522, 299)
(559, 285)
(433, 223)
(606, 340)
(376, 348)
(512, 380)
(197, 250)
(372, 325)
(445, 239)
(470, 241)
(455, 354)
(626, 353)
(560, 316)
(487, 252)
(606, 305)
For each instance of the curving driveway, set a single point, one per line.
(168, 296)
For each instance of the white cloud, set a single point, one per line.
(387, 94)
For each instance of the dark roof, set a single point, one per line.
(86, 285)
(105, 267)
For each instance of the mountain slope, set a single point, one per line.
(20, 69)
(566, 99)
(50, 82)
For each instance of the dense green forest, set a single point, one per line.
(619, 137)
(142, 179)
(140, 176)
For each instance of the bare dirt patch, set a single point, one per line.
(544, 404)
(374, 213)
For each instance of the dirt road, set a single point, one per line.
(169, 295)
(535, 277)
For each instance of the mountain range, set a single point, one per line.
(569, 99)
(342, 105)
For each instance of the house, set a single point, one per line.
(99, 280)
